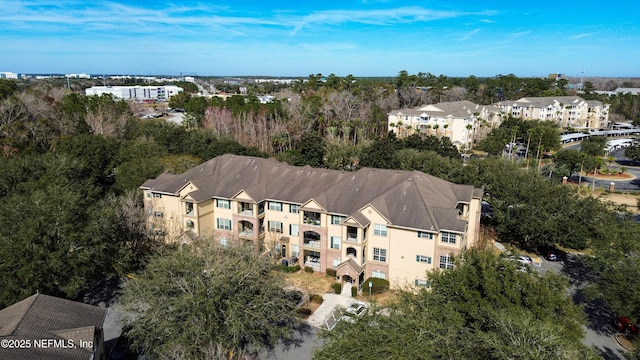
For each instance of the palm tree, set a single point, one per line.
(435, 127)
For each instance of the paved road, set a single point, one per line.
(599, 331)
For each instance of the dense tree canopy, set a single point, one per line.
(206, 300)
(482, 309)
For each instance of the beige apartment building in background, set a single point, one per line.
(461, 121)
(566, 111)
(389, 224)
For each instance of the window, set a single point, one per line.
(448, 237)
(224, 241)
(422, 283)
(423, 259)
(425, 235)
(190, 224)
(275, 226)
(336, 262)
(158, 214)
(380, 254)
(293, 208)
(295, 250)
(293, 230)
(158, 196)
(148, 194)
(378, 274)
(188, 207)
(380, 230)
(275, 206)
(224, 204)
(446, 262)
(335, 242)
(336, 219)
(224, 224)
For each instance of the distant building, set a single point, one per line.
(190, 79)
(159, 93)
(8, 75)
(78, 76)
(265, 99)
(52, 328)
(460, 121)
(566, 111)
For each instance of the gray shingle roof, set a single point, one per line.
(47, 317)
(404, 198)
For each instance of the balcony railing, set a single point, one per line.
(246, 212)
(313, 263)
(352, 238)
(312, 221)
(311, 243)
(246, 233)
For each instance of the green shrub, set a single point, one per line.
(337, 287)
(378, 285)
(308, 269)
(304, 311)
(331, 272)
(288, 269)
(354, 291)
(316, 298)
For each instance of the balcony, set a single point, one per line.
(311, 243)
(311, 218)
(353, 238)
(313, 263)
(245, 209)
(246, 233)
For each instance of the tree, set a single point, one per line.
(633, 152)
(593, 145)
(483, 303)
(311, 149)
(206, 300)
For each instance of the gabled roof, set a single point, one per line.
(546, 101)
(405, 198)
(47, 317)
(456, 109)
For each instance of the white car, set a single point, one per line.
(525, 259)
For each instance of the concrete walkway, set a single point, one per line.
(329, 304)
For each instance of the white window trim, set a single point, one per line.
(381, 256)
(221, 224)
(380, 230)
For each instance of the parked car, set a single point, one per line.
(525, 259)
(624, 325)
(552, 257)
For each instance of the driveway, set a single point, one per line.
(599, 331)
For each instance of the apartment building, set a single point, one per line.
(462, 121)
(566, 111)
(388, 224)
(159, 93)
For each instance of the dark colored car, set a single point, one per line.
(624, 325)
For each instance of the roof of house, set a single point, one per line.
(455, 109)
(404, 198)
(43, 317)
(545, 101)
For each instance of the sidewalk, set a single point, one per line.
(329, 303)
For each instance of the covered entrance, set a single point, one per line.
(350, 272)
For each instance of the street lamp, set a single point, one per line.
(370, 285)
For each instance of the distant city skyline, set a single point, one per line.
(293, 39)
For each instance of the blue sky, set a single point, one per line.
(298, 38)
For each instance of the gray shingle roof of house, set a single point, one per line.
(457, 109)
(47, 317)
(404, 198)
(545, 101)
